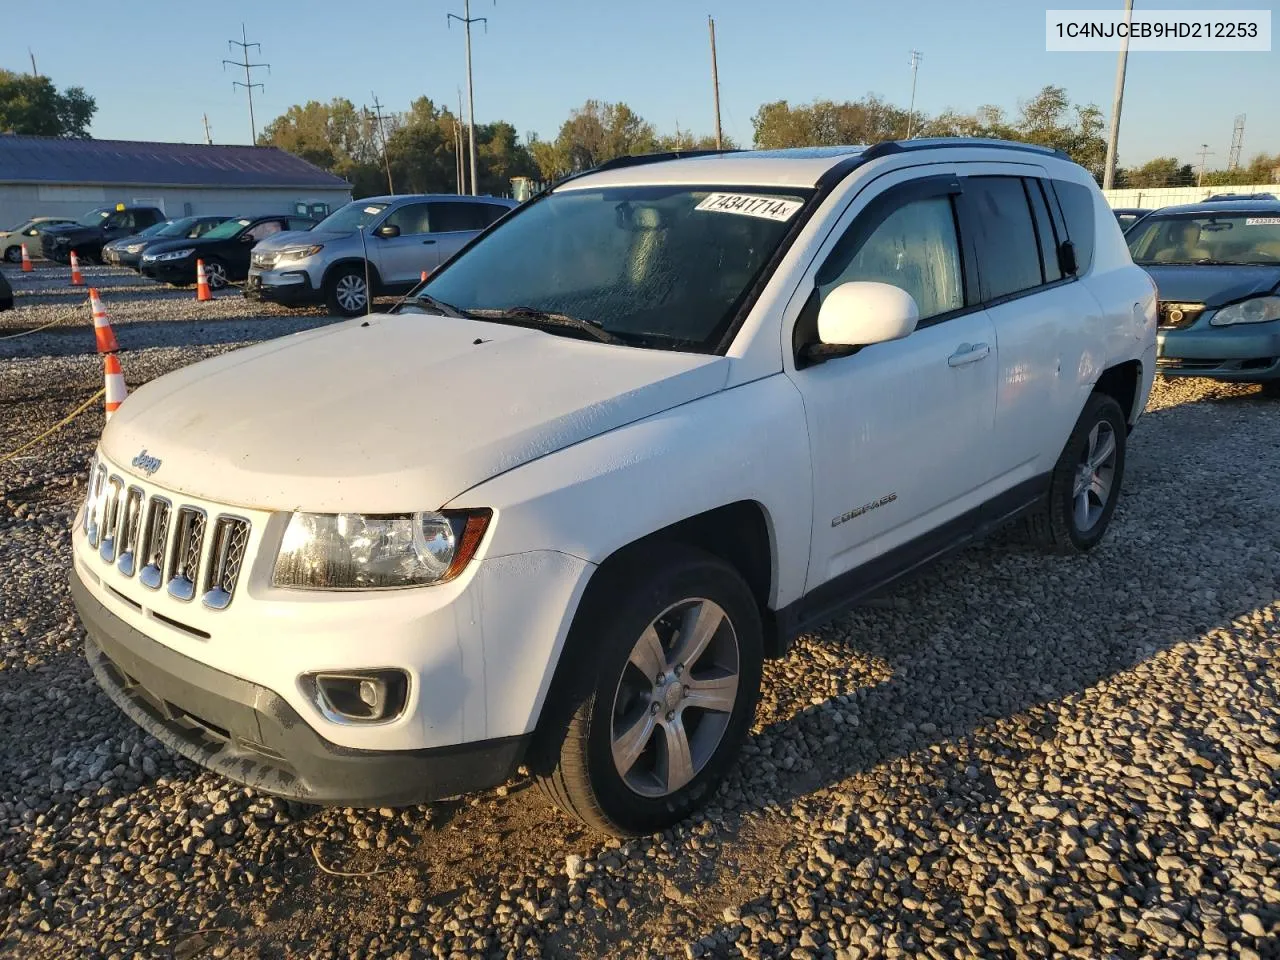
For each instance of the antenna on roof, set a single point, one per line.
(244, 45)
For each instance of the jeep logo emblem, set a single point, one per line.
(146, 464)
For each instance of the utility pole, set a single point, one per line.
(462, 163)
(467, 20)
(386, 160)
(244, 45)
(1237, 144)
(34, 71)
(1205, 153)
(208, 137)
(715, 81)
(916, 57)
(1117, 100)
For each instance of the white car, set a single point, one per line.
(558, 509)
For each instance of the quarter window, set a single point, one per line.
(916, 248)
(1077, 209)
(1008, 253)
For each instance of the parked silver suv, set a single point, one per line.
(404, 235)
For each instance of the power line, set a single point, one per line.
(715, 83)
(1237, 143)
(916, 57)
(467, 20)
(377, 115)
(1205, 153)
(1117, 100)
(244, 45)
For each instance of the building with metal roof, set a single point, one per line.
(47, 176)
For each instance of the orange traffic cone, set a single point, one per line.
(116, 389)
(101, 326)
(26, 260)
(202, 283)
(76, 279)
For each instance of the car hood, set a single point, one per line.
(390, 413)
(1212, 285)
(72, 233)
(291, 238)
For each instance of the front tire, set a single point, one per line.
(215, 272)
(664, 673)
(13, 255)
(1085, 484)
(346, 292)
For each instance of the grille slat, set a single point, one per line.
(179, 547)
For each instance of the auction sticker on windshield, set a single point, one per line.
(767, 208)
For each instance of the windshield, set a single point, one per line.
(346, 219)
(663, 266)
(1235, 237)
(95, 217)
(171, 228)
(157, 229)
(227, 229)
(19, 227)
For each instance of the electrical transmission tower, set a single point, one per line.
(467, 20)
(244, 45)
(1237, 142)
(916, 57)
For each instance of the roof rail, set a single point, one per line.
(1218, 197)
(637, 159)
(886, 147)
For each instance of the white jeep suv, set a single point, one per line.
(557, 508)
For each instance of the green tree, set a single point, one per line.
(828, 123)
(1160, 172)
(594, 133)
(35, 107)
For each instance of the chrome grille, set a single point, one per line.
(177, 546)
(154, 541)
(130, 527)
(184, 561)
(226, 555)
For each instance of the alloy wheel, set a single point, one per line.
(1094, 479)
(352, 292)
(216, 274)
(675, 697)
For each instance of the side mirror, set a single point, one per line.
(248, 238)
(859, 313)
(387, 230)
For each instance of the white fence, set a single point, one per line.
(1152, 197)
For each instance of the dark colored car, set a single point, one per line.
(27, 232)
(6, 293)
(127, 251)
(1217, 269)
(225, 250)
(1128, 216)
(96, 228)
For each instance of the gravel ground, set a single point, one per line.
(1013, 756)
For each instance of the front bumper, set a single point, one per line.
(281, 286)
(252, 736)
(170, 271)
(1247, 352)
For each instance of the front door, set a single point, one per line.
(402, 259)
(901, 432)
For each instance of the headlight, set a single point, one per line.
(134, 247)
(354, 551)
(299, 253)
(174, 254)
(1257, 310)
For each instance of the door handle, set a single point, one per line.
(968, 353)
(428, 241)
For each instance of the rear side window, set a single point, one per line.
(450, 216)
(296, 224)
(1044, 231)
(492, 212)
(1077, 210)
(1008, 251)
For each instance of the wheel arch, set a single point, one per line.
(1121, 383)
(375, 278)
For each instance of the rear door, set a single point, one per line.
(455, 222)
(1040, 316)
(400, 260)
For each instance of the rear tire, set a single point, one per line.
(1271, 389)
(13, 255)
(215, 272)
(628, 752)
(1085, 483)
(346, 292)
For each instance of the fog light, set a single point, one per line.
(362, 696)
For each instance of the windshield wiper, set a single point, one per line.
(546, 319)
(431, 303)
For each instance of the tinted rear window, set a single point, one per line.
(1008, 254)
(1077, 210)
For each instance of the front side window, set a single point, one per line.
(916, 247)
(1239, 237)
(1008, 253)
(412, 219)
(664, 265)
(265, 229)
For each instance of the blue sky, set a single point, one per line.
(155, 67)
